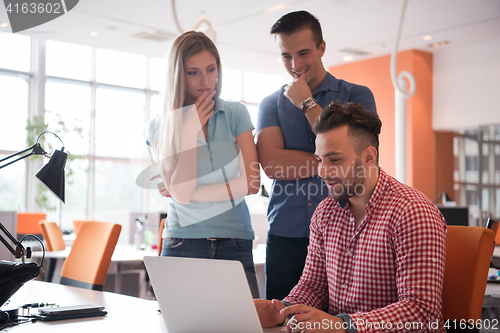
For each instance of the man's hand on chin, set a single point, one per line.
(297, 91)
(311, 320)
(269, 312)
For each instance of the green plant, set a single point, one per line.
(34, 127)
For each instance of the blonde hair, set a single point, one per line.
(184, 47)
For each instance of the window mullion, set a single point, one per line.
(91, 185)
(36, 108)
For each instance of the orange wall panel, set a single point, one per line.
(444, 163)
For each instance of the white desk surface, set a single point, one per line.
(127, 258)
(121, 253)
(125, 313)
(128, 253)
(492, 289)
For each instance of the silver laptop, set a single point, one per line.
(203, 295)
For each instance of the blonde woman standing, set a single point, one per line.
(209, 161)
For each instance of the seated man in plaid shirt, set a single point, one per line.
(377, 248)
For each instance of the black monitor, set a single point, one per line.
(455, 215)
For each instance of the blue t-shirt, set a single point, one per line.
(292, 202)
(217, 161)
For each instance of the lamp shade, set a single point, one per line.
(52, 174)
(13, 276)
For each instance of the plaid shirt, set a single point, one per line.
(388, 273)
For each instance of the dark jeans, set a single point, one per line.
(285, 260)
(215, 248)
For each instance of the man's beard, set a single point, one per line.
(351, 185)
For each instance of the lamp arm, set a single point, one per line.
(19, 251)
(15, 154)
(14, 161)
(57, 136)
(37, 150)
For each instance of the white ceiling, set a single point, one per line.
(242, 27)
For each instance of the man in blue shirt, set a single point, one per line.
(286, 145)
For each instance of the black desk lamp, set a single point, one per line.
(14, 275)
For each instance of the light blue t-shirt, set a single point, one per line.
(217, 162)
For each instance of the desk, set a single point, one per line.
(125, 253)
(126, 258)
(492, 293)
(125, 313)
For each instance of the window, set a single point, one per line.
(68, 60)
(12, 183)
(477, 172)
(258, 86)
(155, 106)
(67, 109)
(13, 111)
(158, 74)
(115, 187)
(121, 69)
(19, 56)
(231, 84)
(120, 122)
(102, 121)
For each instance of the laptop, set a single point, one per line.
(203, 295)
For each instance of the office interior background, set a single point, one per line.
(95, 76)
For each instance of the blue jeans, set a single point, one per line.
(215, 248)
(285, 260)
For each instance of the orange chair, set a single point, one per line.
(468, 254)
(55, 242)
(27, 223)
(88, 262)
(160, 234)
(77, 223)
(52, 235)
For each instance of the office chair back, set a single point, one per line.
(27, 223)
(88, 261)
(160, 234)
(468, 254)
(78, 223)
(52, 236)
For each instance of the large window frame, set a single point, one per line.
(477, 172)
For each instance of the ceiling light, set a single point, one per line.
(354, 51)
(4, 25)
(275, 8)
(155, 35)
(95, 33)
(438, 44)
(427, 37)
(348, 58)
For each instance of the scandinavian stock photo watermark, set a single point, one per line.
(24, 14)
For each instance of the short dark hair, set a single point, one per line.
(296, 21)
(363, 126)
